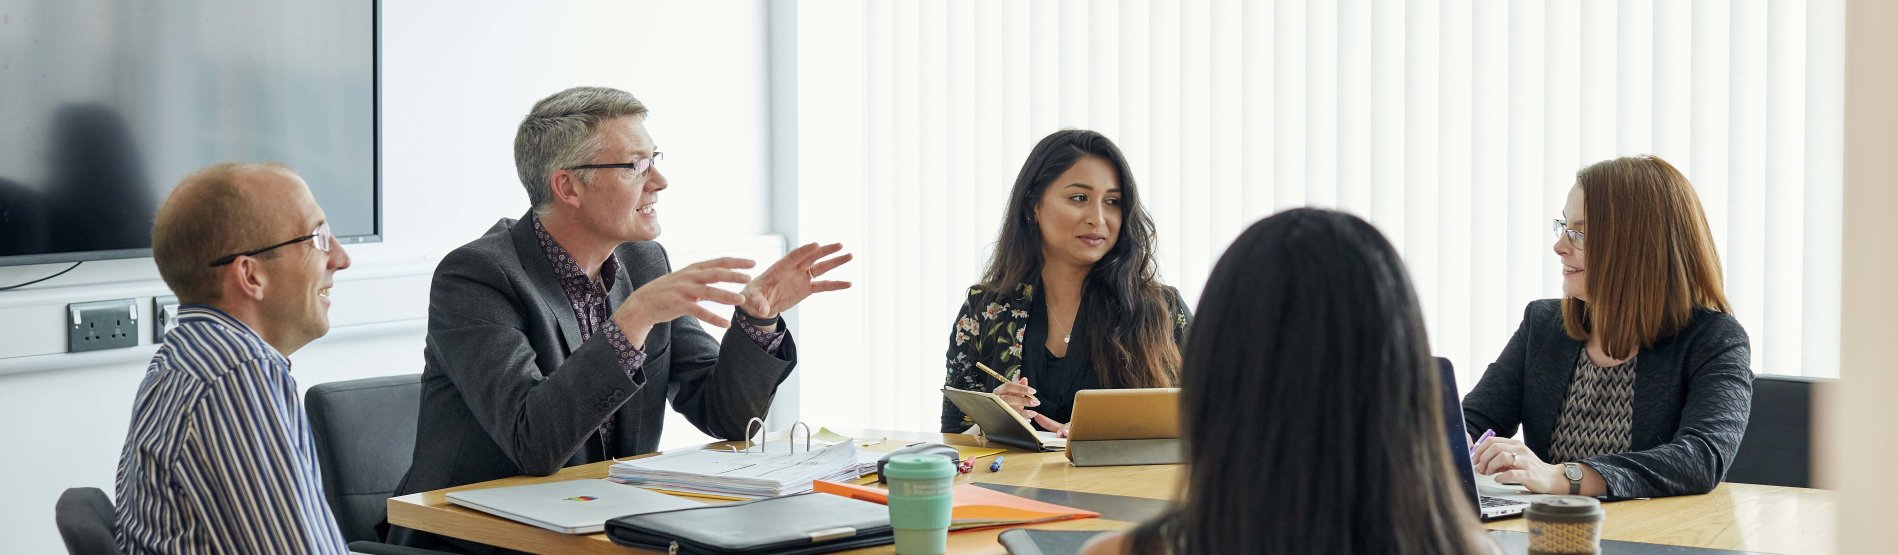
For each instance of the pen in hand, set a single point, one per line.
(1479, 441)
(993, 374)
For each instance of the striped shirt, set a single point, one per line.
(219, 457)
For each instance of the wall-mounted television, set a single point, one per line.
(106, 104)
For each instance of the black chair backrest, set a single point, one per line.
(86, 522)
(1777, 449)
(365, 438)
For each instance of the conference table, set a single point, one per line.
(1737, 517)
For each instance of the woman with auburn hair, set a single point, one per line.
(1311, 409)
(1637, 382)
(1071, 299)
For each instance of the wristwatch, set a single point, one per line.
(1573, 471)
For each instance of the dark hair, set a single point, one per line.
(1125, 313)
(1311, 405)
(1650, 256)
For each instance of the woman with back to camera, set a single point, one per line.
(1310, 406)
(1637, 382)
(1070, 299)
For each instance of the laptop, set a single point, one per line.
(1116, 427)
(569, 507)
(1000, 423)
(1499, 501)
(1118, 414)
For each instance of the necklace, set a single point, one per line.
(1065, 338)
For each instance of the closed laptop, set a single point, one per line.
(568, 507)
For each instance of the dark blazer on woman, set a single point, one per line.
(1008, 335)
(1692, 394)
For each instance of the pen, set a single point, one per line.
(1479, 441)
(992, 373)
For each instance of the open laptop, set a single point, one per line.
(1110, 414)
(569, 507)
(1116, 427)
(1492, 505)
(1000, 423)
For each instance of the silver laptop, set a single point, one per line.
(569, 507)
(1492, 500)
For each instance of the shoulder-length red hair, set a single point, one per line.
(1650, 256)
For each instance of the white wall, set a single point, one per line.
(457, 77)
(1855, 444)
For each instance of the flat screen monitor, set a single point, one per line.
(106, 104)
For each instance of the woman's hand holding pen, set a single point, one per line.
(1018, 396)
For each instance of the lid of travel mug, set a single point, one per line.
(919, 467)
(1564, 507)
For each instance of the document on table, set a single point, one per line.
(749, 475)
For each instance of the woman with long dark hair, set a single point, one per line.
(1071, 299)
(1311, 406)
(1638, 382)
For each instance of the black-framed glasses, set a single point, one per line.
(1575, 236)
(639, 166)
(319, 238)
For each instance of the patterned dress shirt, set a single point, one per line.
(219, 458)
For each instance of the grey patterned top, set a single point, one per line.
(1598, 415)
(1689, 408)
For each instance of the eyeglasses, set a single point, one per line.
(1575, 236)
(639, 166)
(320, 238)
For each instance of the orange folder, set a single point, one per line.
(973, 507)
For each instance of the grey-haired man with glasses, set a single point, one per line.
(219, 457)
(559, 338)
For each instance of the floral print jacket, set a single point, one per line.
(994, 333)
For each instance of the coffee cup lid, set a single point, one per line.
(1565, 505)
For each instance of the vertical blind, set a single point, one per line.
(1454, 126)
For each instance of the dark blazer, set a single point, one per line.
(508, 388)
(1692, 394)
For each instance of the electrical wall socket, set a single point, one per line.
(165, 312)
(102, 325)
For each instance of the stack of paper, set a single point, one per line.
(745, 475)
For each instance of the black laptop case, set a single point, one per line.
(789, 525)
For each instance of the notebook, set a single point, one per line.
(569, 507)
(973, 507)
(1001, 423)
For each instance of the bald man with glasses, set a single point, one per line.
(219, 457)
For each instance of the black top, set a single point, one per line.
(999, 331)
(1692, 394)
(1056, 379)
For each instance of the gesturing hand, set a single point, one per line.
(678, 294)
(791, 279)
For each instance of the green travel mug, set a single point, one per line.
(920, 495)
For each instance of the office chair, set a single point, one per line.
(1777, 448)
(365, 438)
(86, 521)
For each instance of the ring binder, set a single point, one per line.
(765, 437)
